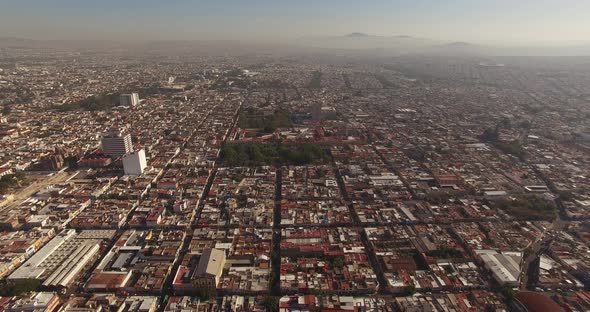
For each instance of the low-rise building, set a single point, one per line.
(209, 269)
(505, 267)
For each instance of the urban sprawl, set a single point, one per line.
(293, 183)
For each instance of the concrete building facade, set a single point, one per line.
(129, 99)
(115, 143)
(134, 163)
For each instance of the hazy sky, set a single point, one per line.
(473, 20)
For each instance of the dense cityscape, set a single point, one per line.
(185, 181)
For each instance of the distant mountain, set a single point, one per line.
(354, 44)
(363, 35)
(465, 48)
(11, 42)
(402, 44)
(460, 45)
(457, 48)
(362, 41)
(356, 34)
(15, 42)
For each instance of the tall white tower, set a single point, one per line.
(134, 163)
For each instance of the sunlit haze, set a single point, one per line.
(500, 21)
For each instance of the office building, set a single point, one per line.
(115, 143)
(129, 99)
(134, 163)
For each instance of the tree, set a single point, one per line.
(271, 303)
(11, 180)
(528, 207)
(445, 252)
(229, 155)
(505, 123)
(6, 110)
(17, 288)
(417, 154)
(490, 135)
(268, 129)
(207, 294)
(253, 118)
(316, 80)
(525, 124)
(508, 292)
(566, 196)
(266, 154)
(338, 262)
(513, 148)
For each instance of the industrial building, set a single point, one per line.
(59, 262)
(505, 266)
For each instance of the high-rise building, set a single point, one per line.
(134, 163)
(116, 144)
(129, 99)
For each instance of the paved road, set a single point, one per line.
(168, 289)
(536, 249)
